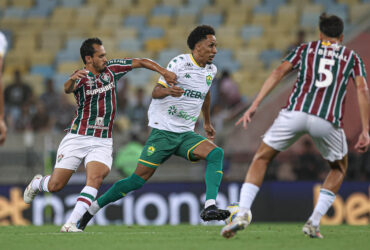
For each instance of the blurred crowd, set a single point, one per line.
(26, 112)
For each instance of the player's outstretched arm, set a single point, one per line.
(70, 84)
(270, 83)
(208, 128)
(160, 92)
(363, 98)
(169, 76)
(2, 122)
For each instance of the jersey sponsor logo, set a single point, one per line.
(187, 75)
(184, 115)
(99, 121)
(172, 110)
(209, 80)
(118, 61)
(188, 66)
(97, 127)
(99, 124)
(90, 82)
(100, 90)
(194, 94)
(150, 151)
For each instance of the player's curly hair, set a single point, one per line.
(331, 25)
(87, 48)
(198, 34)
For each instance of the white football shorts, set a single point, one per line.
(291, 125)
(74, 148)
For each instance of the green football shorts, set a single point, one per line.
(162, 144)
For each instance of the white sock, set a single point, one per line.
(41, 184)
(84, 200)
(326, 198)
(247, 195)
(94, 208)
(209, 202)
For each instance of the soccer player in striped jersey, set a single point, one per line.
(3, 48)
(315, 107)
(172, 114)
(89, 137)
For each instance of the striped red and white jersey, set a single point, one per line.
(323, 74)
(96, 99)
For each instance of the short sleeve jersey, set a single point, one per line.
(179, 114)
(3, 45)
(324, 70)
(96, 99)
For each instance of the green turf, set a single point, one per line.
(256, 236)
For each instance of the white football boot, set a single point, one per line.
(239, 223)
(70, 228)
(29, 194)
(311, 230)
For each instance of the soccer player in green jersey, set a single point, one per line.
(89, 137)
(172, 114)
(315, 107)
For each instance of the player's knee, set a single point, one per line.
(216, 155)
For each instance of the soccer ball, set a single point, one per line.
(233, 208)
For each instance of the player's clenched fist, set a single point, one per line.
(70, 85)
(78, 75)
(170, 77)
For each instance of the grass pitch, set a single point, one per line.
(256, 236)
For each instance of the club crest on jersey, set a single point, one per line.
(106, 77)
(209, 80)
(151, 150)
(60, 157)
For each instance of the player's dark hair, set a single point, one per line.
(87, 48)
(331, 25)
(198, 34)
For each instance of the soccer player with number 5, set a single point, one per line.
(315, 107)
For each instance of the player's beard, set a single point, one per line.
(100, 69)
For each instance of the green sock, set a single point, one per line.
(120, 189)
(213, 172)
